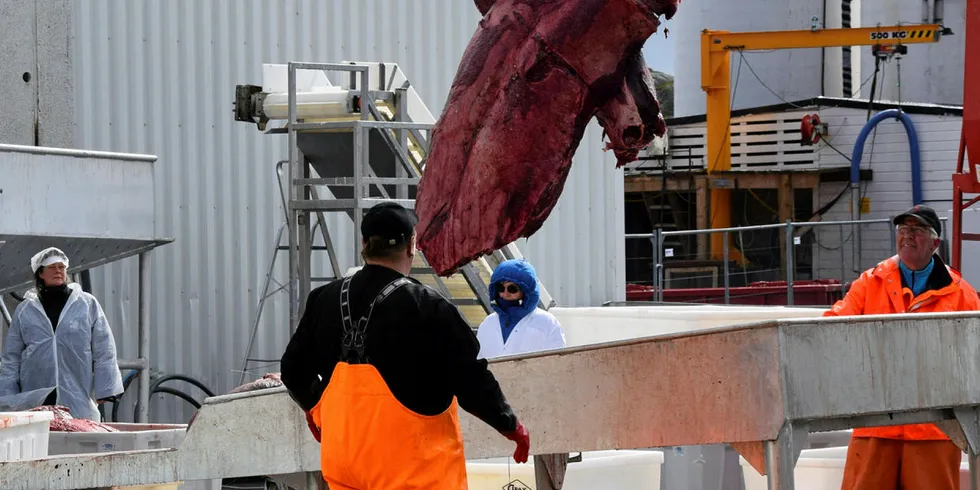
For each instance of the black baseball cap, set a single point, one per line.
(390, 221)
(925, 214)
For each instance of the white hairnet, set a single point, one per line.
(48, 256)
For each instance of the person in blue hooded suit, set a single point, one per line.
(517, 325)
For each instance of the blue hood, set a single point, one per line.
(521, 273)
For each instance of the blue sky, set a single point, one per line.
(660, 58)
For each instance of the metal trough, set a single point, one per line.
(761, 387)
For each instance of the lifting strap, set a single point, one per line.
(354, 335)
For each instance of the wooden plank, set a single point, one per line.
(786, 138)
(768, 180)
(741, 179)
(654, 183)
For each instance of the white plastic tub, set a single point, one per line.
(817, 469)
(131, 437)
(612, 470)
(24, 435)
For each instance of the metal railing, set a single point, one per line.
(797, 241)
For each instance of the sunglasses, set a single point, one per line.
(511, 288)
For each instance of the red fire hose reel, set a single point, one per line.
(811, 129)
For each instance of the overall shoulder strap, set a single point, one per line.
(355, 335)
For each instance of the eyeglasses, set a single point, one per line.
(511, 288)
(912, 230)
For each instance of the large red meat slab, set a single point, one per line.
(533, 76)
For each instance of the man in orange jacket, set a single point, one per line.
(916, 280)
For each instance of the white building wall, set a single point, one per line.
(890, 190)
(930, 72)
(159, 78)
(785, 74)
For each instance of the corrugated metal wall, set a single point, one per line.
(159, 77)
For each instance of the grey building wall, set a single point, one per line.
(35, 73)
(159, 78)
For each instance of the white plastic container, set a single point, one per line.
(24, 435)
(612, 470)
(817, 469)
(131, 437)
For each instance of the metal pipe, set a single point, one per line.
(724, 243)
(312, 482)
(132, 363)
(842, 222)
(105, 155)
(370, 124)
(653, 268)
(779, 466)
(893, 238)
(974, 470)
(295, 303)
(790, 263)
(855, 228)
(660, 265)
(813, 224)
(841, 230)
(359, 153)
(6, 313)
(143, 351)
(304, 243)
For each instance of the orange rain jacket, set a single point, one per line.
(881, 291)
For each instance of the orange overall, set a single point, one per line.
(913, 456)
(370, 441)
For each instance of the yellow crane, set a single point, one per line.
(716, 77)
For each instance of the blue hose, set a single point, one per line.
(913, 148)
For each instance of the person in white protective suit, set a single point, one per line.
(59, 349)
(517, 325)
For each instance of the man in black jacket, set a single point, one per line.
(379, 363)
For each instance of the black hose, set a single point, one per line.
(86, 280)
(180, 377)
(179, 394)
(169, 391)
(156, 388)
(16, 296)
(115, 403)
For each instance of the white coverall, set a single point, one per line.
(537, 331)
(78, 358)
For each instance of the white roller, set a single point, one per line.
(321, 102)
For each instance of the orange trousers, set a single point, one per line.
(893, 464)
